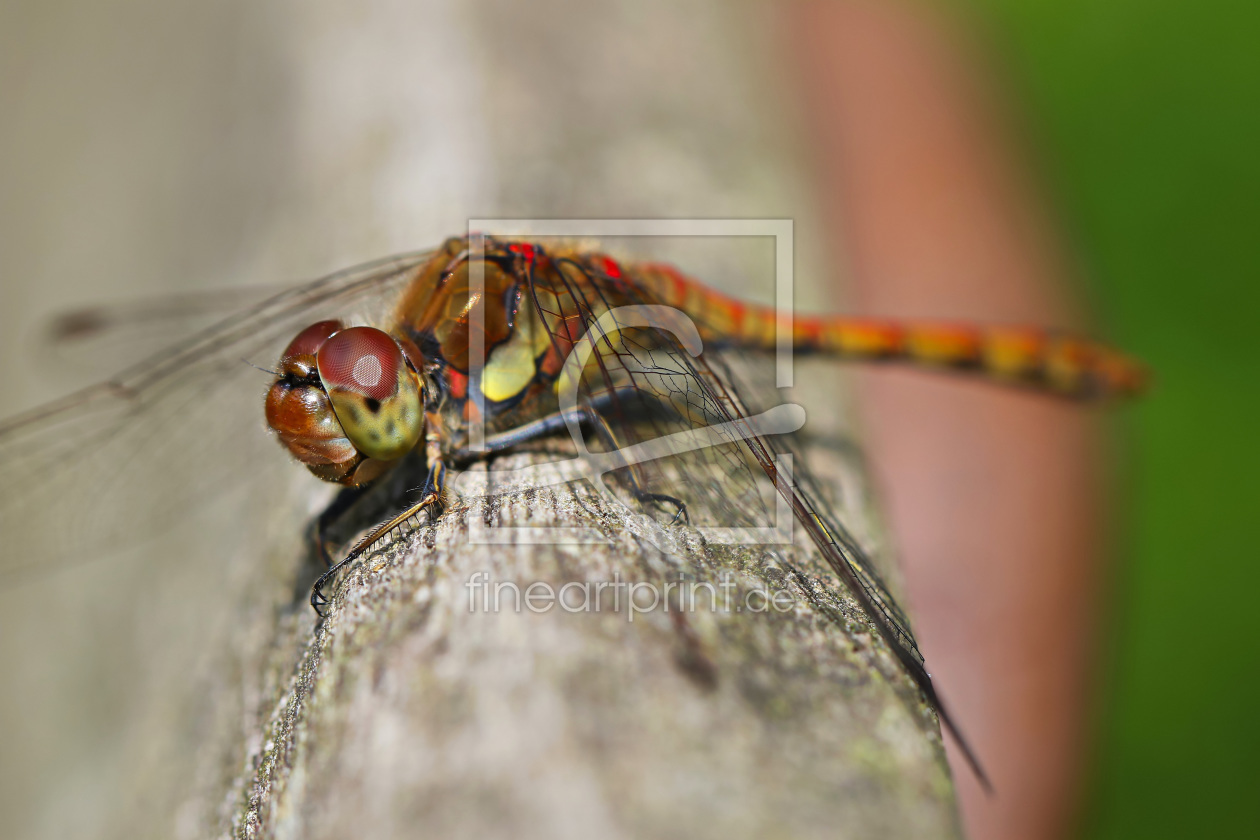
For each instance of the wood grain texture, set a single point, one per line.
(413, 711)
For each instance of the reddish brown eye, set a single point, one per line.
(309, 340)
(363, 360)
(375, 395)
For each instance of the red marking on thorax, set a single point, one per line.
(458, 382)
(524, 249)
(611, 268)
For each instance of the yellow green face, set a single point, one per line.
(373, 392)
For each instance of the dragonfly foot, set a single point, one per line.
(318, 601)
(661, 500)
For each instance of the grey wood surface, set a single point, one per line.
(424, 707)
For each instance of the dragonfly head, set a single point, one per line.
(348, 401)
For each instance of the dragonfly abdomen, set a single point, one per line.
(1061, 363)
(1057, 362)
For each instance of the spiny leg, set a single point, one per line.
(559, 422)
(551, 424)
(431, 496)
(431, 500)
(504, 442)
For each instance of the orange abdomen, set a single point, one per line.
(1059, 363)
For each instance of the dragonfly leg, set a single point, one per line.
(502, 443)
(329, 517)
(430, 502)
(661, 500)
(634, 477)
(558, 422)
(434, 487)
(490, 456)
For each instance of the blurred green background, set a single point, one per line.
(1147, 115)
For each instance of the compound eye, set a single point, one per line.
(375, 395)
(309, 340)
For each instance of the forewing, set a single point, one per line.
(643, 394)
(807, 499)
(109, 465)
(738, 480)
(656, 383)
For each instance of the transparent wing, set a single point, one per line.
(94, 341)
(738, 467)
(128, 680)
(735, 479)
(133, 455)
(805, 496)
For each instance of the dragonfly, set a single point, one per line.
(480, 347)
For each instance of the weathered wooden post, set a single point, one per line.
(203, 699)
(448, 694)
